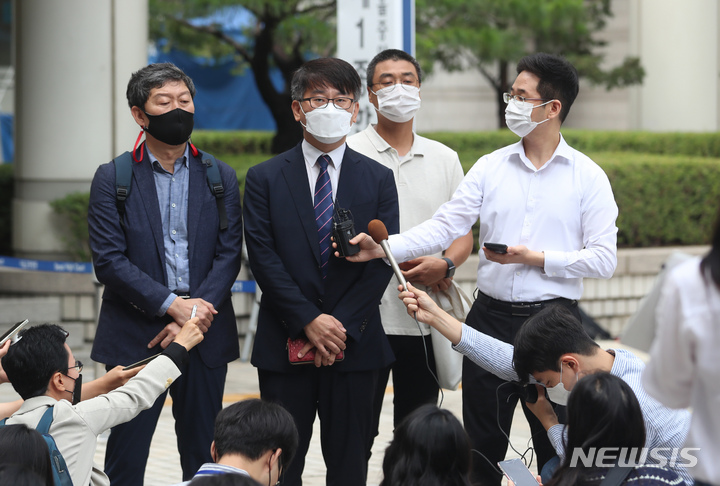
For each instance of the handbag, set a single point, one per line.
(448, 362)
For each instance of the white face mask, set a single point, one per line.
(398, 103)
(329, 124)
(558, 394)
(518, 117)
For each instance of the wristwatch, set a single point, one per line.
(451, 268)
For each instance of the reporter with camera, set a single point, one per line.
(288, 207)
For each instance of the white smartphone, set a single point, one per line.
(12, 332)
(517, 472)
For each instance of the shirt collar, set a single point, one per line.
(563, 151)
(184, 157)
(312, 153)
(417, 148)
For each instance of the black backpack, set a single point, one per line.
(123, 179)
(61, 476)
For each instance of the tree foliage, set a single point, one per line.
(281, 34)
(492, 35)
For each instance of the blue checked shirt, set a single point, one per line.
(172, 192)
(664, 427)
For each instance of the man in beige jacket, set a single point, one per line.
(43, 370)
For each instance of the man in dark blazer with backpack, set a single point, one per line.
(164, 243)
(309, 294)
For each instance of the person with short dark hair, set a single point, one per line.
(225, 480)
(552, 349)
(252, 438)
(43, 370)
(24, 446)
(551, 212)
(427, 173)
(603, 412)
(288, 213)
(162, 246)
(429, 447)
(684, 368)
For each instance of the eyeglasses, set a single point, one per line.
(509, 96)
(78, 365)
(320, 102)
(406, 84)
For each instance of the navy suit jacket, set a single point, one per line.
(282, 242)
(131, 262)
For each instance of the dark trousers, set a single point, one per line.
(343, 402)
(489, 402)
(413, 383)
(197, 399)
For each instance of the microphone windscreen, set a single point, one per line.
(377, 231)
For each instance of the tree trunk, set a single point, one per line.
(503, 87)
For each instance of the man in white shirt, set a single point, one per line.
(555, 210)
(426, 174)
(254, 438)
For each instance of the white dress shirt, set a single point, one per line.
(426, 177)
(565, 209)
(684, 368)
(311, 155)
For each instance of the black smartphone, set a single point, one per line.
(12, 332)
(517, 472)
(141, 362)
(496, 247)
(529, 393)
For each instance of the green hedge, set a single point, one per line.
(663, 199)
(693, 144)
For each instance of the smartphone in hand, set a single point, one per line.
(13, 331)
(496, 247)
(517, 472)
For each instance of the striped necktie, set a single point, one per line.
(323, 211)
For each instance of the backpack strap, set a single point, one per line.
(123, 179)
(61, 475)
(44, 425)
(215, 182)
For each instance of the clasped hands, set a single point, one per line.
(327, 336)
(181, 310)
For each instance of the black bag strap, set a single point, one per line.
(616, 475)
(216, 187)
(123, 179)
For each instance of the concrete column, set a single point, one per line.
(73, 60)
(678, 45)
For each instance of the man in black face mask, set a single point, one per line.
(161, 253)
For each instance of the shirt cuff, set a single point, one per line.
(398, 247)
(166, 305)
(177, 353)
(555, 263)
(555, 434)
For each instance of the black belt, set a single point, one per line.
(524, 309)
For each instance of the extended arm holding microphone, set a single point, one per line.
(379, 234)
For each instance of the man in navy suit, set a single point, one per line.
(158, 258)
(309, 293)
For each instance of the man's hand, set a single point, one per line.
(516, 254)
(190, 335)
(543, 409)
(181, 310)
(427, 270)
(111, 380)
(166, 336)
(328, 336)
(369, 250)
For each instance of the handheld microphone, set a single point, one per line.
(379, 233)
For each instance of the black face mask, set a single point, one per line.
(77, 391)
(172, 128)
